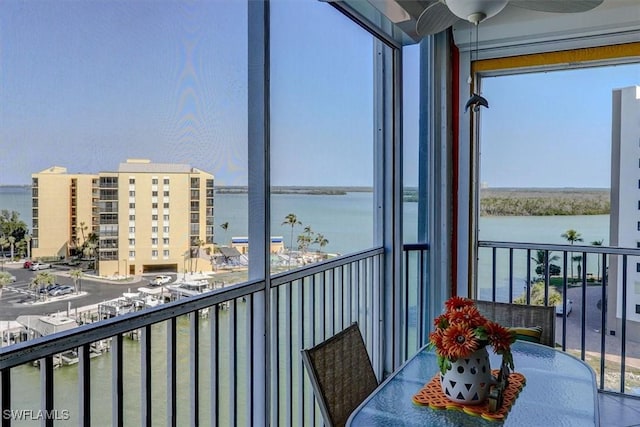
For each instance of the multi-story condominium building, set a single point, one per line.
(625, 208)
(144, 217)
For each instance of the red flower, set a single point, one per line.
(499, 337)
(455, 303)
(469, 315)
(461, 330)
(458, 341)
(441, 322)
(436, 338)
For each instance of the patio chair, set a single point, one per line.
(341, 374)
(520, 315)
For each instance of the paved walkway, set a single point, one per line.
(593, 322)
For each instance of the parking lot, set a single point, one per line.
(17, 299)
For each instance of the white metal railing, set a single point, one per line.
(508, 269)
(193, 362)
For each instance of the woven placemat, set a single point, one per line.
(431, 395)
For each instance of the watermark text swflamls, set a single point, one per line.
(34, 415)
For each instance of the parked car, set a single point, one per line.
(160, 280)
(560, 308)
(27, 264)
(62, 290)
(39, 266)
(49, 288)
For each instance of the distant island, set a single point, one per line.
(544, 201)
(314, 191)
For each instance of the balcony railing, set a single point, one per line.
(208, 359)
(596, 328)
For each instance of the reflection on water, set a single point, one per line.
(26, 378)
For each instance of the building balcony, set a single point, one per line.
(234, 353)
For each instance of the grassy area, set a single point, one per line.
(557, 282)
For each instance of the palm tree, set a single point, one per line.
(304, 240)
(27, 238)
(598, 243)
(197, 244)
(578, 259)
(572, 236)
(4, 242)
(291, 220)
(76, 274)
(321, 241)
(43, 278)
(225, 227)
(82, 227)
(12, 242)
(540, 261)
(5, 279)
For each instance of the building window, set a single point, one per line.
(638, 225)
(132, 229)
(154, 229)
(154, 253)
(165, 217)
(166, 205)
(132, 205)
(154, 240)
(166, 253)
(638, 244)
(132, 254)
(637, 308)
(132, 181)
(638, 267)
(154, 206)
(132, 193)
(165, 241)
(154, 181)
(166, 194)
(165, 229)
(132, 217)
(132, 242)
(154, 194)
(154, 217)
(166, 181)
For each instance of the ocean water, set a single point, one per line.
(346, 221)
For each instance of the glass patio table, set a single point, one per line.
(560, 390)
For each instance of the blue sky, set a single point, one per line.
(551, 129)
(88, 84)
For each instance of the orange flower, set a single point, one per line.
(499, 337)
(455, 303)
(461, 330)
(469, 315)
(458, 341)
(441, 321)
(436, 338)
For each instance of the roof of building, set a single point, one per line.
(46, 325)
(156, 168)
(229, 252)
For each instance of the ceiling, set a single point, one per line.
(612, 22)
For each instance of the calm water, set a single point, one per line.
(346, 221)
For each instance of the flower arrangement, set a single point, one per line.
(462, 330)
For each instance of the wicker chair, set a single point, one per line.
(341, 374)
(519, 315)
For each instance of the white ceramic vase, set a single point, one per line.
(467, 380)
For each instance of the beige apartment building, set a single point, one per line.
(142, 218)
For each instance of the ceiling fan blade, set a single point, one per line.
(557, 6)
(435, 18)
